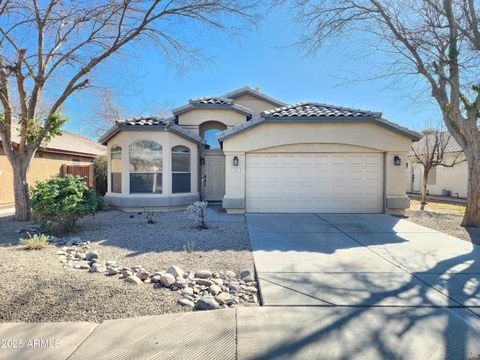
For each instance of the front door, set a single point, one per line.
(417, 177)
(213, 180)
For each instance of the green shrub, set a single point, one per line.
(63, 200)
(35, 242)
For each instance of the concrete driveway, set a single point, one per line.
(407, 291)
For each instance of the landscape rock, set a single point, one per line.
(180, 282)
(113, 271)
(247, 276)
(167, 280)
(127, 273)
(156, 278)
(215, 289)
(235, 286)
(91, 255)
(144, 275)
(251, 289)
(203, 282)
(97, 267)
(111, 263)
(81, 256)
(218, 282)
(176, 271)
(186, 302)
(203, 274)
(133, 280)
(223, 298)
(206, 303)
(187, 291)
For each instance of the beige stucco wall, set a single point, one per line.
(254, 104)
(167, 140)
(192, 119)
(453, 179)
(319, 137)
(41, 168)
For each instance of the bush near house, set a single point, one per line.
(63, 200)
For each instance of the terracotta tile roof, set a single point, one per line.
(211, 100)
(317, 110)
(150, 123)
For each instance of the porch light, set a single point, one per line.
(397, 161)
(235, 161)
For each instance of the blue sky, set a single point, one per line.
(142, 81)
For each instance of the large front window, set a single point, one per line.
(146, 167)
(116, 169)
(181, 169)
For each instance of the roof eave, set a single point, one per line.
(123, 127)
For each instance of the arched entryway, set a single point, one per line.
(208, 130)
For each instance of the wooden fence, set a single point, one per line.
(85, 171)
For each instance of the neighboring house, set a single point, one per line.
(269, 157)
(453, 179)
(69, 149)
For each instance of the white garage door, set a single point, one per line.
(349, 183)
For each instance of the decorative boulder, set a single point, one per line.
(203, 274)
(167, 280)
(91, 255)
(133, 280)
(247, 276)
(206, 303)
(176, 271)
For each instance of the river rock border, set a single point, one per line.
(200, 290)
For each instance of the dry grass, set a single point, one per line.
(35, 242)
(439, 207)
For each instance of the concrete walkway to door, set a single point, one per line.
(363, 286)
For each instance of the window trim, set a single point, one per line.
(173, 152)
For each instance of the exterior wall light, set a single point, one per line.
(235, 161)
(397, 161)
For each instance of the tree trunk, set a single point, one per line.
(426, 170)
(472, 217)
(20, 187)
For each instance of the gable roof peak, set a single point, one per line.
(255, 92)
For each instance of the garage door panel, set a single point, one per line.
(315, 183)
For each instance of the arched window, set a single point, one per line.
(116, 169)
(181, 172)
(146, 167)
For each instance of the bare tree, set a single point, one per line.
(49, 48)
(431, 151)
(437, 41)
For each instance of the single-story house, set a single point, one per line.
(440, 178)
(66, 149)
(254, 153)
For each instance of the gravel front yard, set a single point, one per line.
(35, 286)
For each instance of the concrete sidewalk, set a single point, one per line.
(42, 341)
(262, 333)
